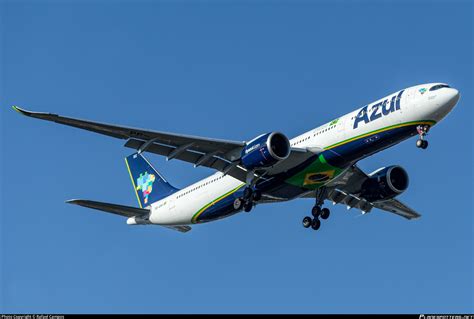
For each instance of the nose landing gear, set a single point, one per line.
(423, 144)
(422, 132)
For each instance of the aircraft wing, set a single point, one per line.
(346, 189)
(222, 155)
(397, 207)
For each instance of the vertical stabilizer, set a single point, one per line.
(148, 184)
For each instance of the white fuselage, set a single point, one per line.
(417, 104)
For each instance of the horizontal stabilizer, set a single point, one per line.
(182, 229)
(121, 210)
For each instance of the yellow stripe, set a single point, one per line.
(133, 183)
(378, 131)
(199, 212)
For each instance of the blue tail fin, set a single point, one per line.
(148, 184)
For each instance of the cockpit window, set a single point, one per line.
(439, 86)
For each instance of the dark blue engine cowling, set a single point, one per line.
(265, 150)
(385, 183)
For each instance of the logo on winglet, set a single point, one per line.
(145, 184)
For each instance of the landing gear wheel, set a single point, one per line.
(315, 224)
(256, 196)
(307, 221)
(422, 131)
(316, 211)
(423, 144)
(247, 193)
(325, 213)
(238, 204)
(248, 206)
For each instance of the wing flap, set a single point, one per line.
(396, 207)
(182, 229)
(213, 160)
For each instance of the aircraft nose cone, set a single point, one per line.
(452, 97)
(455, 96)
(448, 100)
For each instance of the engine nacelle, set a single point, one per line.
(385, 183)
(265, 150)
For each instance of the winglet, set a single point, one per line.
(19, 110)
(23, 111)
(38, 115)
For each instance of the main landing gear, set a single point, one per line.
(250, 197)
(317, 212)
(314, 222)
(422, 132)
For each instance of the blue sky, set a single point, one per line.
(230, 70)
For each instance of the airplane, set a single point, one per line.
(320, 164)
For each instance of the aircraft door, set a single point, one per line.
(340, 125)
(342, 128)
(410, 97)
(171, 205)
(405, 104)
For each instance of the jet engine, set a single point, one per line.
(385, 183)
(265, 150)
